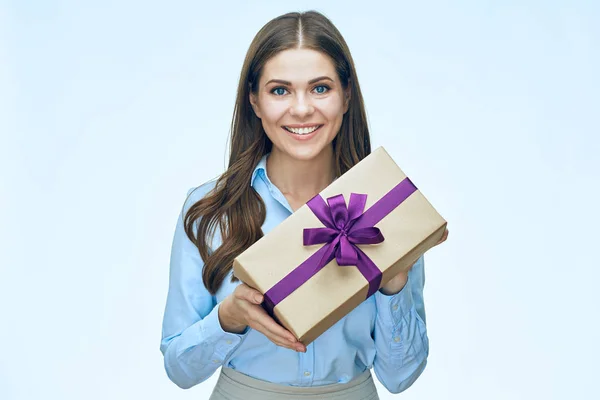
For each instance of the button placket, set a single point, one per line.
(396, 344)
(397, 312)
(303, 357)
(311, 350)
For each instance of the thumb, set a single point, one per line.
(253, 295)
(257, 297)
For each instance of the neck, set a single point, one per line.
(301, 179)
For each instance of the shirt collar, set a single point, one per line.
(261, 168)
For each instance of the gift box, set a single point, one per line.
(341, 246)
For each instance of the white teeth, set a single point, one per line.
(302, 131)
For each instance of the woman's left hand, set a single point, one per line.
(397, 283)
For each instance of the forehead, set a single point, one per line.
(298, 66)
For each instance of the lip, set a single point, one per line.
(302, 125)
(302, 138)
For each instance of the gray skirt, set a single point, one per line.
(233, 385)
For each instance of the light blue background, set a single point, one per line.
(111, 110)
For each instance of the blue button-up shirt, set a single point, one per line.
(386, 333)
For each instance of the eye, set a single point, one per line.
(278, 91)
(324, 88)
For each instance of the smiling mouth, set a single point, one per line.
(302, 131)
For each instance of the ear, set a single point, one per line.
(347, 96)
(254, 102)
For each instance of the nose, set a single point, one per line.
(301, 107)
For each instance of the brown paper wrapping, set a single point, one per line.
(410, 230)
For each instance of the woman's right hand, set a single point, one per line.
(242, 308)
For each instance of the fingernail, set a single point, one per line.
(258, 298)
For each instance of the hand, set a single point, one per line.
(242, 309)
(398, 282)
(444, 237)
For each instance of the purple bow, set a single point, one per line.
(339, 231)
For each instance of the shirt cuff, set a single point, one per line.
(208, 337)
(223, 342)
(391, 309)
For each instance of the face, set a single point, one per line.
(301, 102)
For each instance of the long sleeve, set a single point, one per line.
(400, 333)
(193, 342)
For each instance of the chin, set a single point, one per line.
(307, 153)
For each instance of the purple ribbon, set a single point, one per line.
(345, 228)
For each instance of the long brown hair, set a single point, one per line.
(233, 205)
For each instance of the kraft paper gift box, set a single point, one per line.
(297, 267)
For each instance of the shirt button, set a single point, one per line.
(397, 339)
(395, 307)
(306, 373)
(216, 361)
(229, 341)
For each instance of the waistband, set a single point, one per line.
(235, 385)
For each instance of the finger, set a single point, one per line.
(278, 340)
(444, 237)
(259, 315)
(245, 292)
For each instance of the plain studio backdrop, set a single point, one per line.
(111, 110)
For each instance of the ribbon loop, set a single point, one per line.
(339, 212)
(370, 235)
(318, 235)
(356, 206)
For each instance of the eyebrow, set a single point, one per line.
(320, 78)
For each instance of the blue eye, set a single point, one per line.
(277, 90)
(322, 86)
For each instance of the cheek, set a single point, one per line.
(273, 111)
(332, 108)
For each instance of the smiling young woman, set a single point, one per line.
(299, 123)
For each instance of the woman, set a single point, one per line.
(299, 122)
